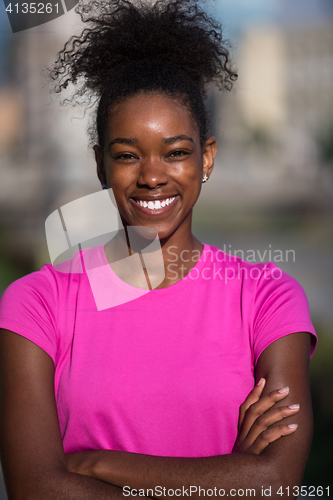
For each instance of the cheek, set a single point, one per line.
(112, 173)
(192, 191)
(194, 176)
(119, 179)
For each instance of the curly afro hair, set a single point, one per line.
(169, 47)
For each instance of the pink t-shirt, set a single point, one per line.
(165, 373)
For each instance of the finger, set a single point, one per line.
(270, 435)
(252, 398)
(259, 407)
(266, 420)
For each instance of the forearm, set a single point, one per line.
(281, 464)
(64, 485)
(234, 471)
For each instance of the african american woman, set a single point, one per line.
(199, 382)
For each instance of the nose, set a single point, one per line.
(152, 173)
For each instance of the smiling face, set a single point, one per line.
(154, 163)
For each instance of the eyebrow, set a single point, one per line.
(124, 140)
(133, 140)
(171, 140)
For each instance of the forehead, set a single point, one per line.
(151, 114)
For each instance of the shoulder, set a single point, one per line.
(273, 303)
(264, 275)
(49, 282)
(280, 308)
(236, 267)
(39, 282)
(30, 305)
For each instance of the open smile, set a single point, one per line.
(154, 206)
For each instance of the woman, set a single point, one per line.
(187, 384)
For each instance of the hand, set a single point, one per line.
(256, 417)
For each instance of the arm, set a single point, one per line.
(284, 362)
(32, 454)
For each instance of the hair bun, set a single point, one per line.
(177, 32)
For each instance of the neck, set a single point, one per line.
(180, 256)
(180, 251)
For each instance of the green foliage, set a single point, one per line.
(319, 467)
(11, 267)
(324, 141)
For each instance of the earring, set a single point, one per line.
(104, 186)
(205, 178)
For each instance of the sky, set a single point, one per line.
(5, 39)
(236, 14)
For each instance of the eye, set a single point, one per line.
(124, 156)
(178, 153)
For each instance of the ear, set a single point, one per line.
(100, 165)
(208, 155)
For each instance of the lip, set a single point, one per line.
(154, 198)
(156, 211)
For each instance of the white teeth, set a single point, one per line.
(155, 205)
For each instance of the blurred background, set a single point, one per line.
(271, 194)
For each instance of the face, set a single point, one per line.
(154, 163)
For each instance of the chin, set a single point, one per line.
(146, 232)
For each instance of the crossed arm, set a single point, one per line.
(35, 466)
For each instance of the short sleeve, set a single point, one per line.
(280, 308)
(28, 307)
